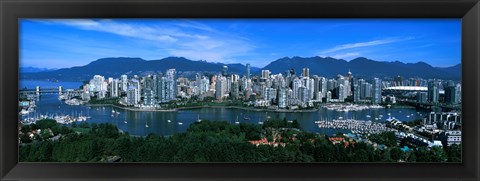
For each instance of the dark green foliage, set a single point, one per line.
(396, 153)
(387, 138)
(454, 153)
(45, 123)
(276, 123)
(212, 141)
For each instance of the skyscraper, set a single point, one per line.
(316, 86)
(341, 93)
(433, 91)
(220, 87)
(224, 70)
(297, 83)
(270, 94)
(323, 86)
(171, 85)
(377, 91)
(329, 96)
(124, 83)
(248, 71)
(361, 86)
(422, 97)
(148, 98)
(135, 84)
(282, 98)
(114, 88)
(452, 94)
(356, 93)
(98, 86)
(306, 72)
(265, 74)
(132, 96)
(204, 85)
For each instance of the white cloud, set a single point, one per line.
(184, 38)
(346, 55)
(364, 44)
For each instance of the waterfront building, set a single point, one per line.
(349, 83)
(356, 93)
(124, 80)
(316, 86)
(449, 138)
(135, 84)
(114, 88)
(377, 91)
(171, 84)
(422, 97)
(398, 81)
(433, 91)
(132, 98)
(452, 94)
(149, 98)
(341, 93)
(323, 86)
(304, 95)
(235, 89)
(155, 85)
(270, 94)
(346, 89)
(361, 88)
(282, 98)
(310, 86)
(167, 86)
(220, 87)
(163, 90)
(329, 96)
(204, 85)
(331, 84)
(98, 86)
(148, 83)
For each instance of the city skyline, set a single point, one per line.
(257, 42)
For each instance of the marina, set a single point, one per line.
(355, 126)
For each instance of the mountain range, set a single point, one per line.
(34, 69)
(363, 67)
(322, 66)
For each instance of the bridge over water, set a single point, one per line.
(59, 89)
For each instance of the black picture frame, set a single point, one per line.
(12, 10)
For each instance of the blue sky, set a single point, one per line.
(60, 43)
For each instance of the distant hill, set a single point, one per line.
(115, 67)
(34, 69)
(363, 67)
(322, 66)
(457, 69)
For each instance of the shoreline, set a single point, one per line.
(132, 109)
(199, 107)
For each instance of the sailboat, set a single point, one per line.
(169, 121)
(260, 122)
(236, 120)
(198, 118)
